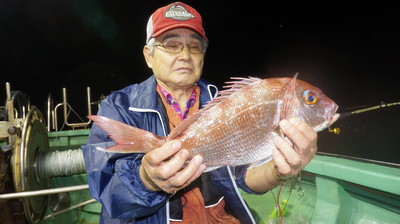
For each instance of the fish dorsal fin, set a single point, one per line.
(289, 94)
(232, 86)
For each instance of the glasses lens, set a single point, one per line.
(195, 48)
(173, 47)
(177, 47)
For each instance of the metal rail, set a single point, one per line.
(43, 192)
(66, 111)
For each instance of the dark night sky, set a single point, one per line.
(349, 50)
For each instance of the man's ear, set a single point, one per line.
(147, 56)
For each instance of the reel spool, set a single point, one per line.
(27, 154)
(32, 143)
(33, 165)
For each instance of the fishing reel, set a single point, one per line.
(27, 165)
(335, 131)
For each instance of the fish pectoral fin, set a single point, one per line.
(260, 162)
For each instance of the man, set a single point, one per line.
(160, 187)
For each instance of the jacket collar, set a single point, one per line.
(148, 87)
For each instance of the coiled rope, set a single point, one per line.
(61, 163)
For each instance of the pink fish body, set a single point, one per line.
(237, 127)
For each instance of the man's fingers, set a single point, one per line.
(284, 169)
(300, 134)
(158, 155)
(170, 167)
(286, 150)
(188, 174)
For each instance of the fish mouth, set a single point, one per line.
(334, 118)
(327, 123)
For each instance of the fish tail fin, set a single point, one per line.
(129, 139)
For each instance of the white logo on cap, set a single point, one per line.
(178, 12)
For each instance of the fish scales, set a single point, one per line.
(239, 130)
(236, 128)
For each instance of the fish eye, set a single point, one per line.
(309, 97)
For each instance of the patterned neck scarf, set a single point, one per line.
(173, 102)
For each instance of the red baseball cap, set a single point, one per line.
(175, 15)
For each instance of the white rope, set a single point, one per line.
(61, 163)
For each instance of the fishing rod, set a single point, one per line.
(336, 131)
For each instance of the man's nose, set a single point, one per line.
(185, 53)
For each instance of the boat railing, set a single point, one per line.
(52, 111)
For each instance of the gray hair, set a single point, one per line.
(151, 44)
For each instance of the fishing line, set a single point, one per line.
(277, 198)
(61, 163)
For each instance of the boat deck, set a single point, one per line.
(333, 190)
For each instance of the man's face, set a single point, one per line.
(176, 70)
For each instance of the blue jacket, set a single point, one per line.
(113, 177)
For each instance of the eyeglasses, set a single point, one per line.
(176, 47)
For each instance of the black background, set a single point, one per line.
(350, 50)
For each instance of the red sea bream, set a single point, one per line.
(238, 126)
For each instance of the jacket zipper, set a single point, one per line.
(141, 110)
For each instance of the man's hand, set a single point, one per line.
(290, 157)
(165, 168)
